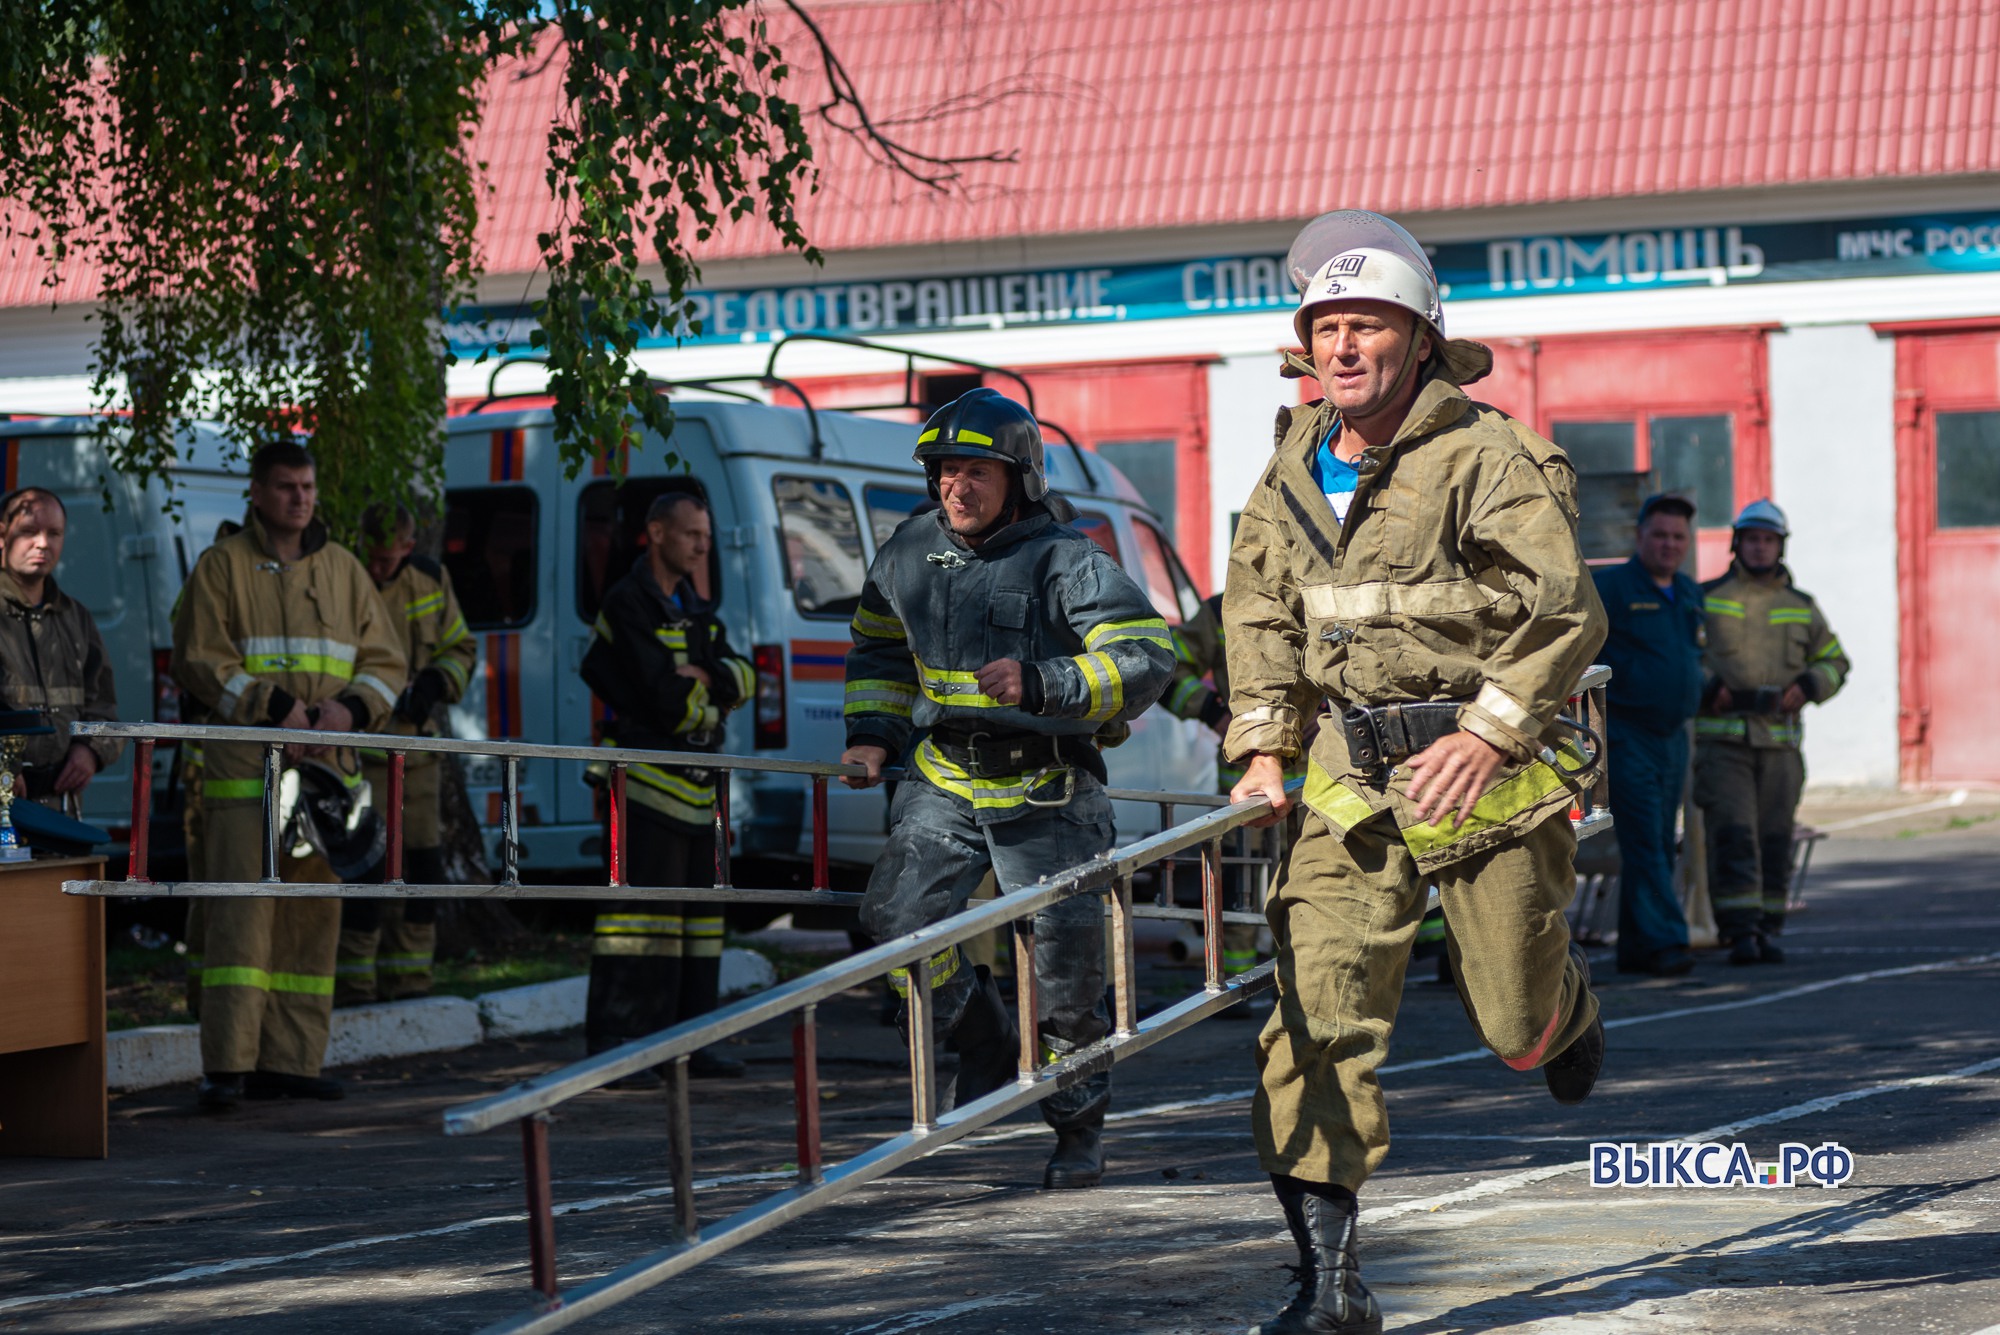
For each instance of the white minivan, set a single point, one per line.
(800, 501)
(126, 556)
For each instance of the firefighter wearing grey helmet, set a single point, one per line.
(997, 650)
(1769, 654)
(1410, 556)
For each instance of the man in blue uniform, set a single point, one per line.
(1000, 650)
(1654, 651)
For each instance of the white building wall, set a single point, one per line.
(1244, 393)
(1833, 452)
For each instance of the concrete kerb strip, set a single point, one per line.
(170, 1054)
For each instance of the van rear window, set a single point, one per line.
(820, 534)
(489, 548)
(611, 537)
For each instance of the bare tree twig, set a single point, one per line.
(938, 172)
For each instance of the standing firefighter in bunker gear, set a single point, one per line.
(1770, 653)
(277, 626)
(1010, 648)
(1411, 556)
(386, 945)
(661, 661)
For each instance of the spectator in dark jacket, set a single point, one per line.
(1654, 650)
(52, 659)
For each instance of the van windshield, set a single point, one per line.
(820, 534)
(1098, 529)
(1167, 584)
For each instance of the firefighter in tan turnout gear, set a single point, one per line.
(1770, 653)
(277, 627)
(1411, 556)
(999, 649)
(386, 945)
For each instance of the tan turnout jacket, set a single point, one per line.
(1764, 632)
(419, 598)
(1456, 577)
(253, 634)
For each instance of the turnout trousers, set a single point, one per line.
(1748, 797)
(260, 970)
(1345, 913)
(387, 945)
(937, 854)
(654, 962)
(1648, 771)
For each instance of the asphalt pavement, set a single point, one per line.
(1880, 1034)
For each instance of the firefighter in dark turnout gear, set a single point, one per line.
(997, 648)
(1770, 653)
(661, 661)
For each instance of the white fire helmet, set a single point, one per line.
(1356, 255)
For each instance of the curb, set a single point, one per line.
(170, 1054)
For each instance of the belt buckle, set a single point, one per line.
(975, 756)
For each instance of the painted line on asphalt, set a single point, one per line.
(1955, 799)
(897, 1325)
(1495, 1186)
(1182, 1105)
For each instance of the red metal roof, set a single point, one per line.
(1130, 114)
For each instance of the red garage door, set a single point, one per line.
(1150, 419)
(1948, 531)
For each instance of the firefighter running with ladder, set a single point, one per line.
(1411, 556)
(1009, 648)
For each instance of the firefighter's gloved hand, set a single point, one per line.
(422, 696)
(1001, 679)
(870, 757)
(1793, 700)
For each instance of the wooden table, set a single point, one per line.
(51, 1011)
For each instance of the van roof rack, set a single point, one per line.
(715, 384)
(770, 379)
(910, 357)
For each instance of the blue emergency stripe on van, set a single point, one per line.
(819, 660)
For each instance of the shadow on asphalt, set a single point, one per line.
(1796, 1251)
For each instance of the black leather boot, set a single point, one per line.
(1572, 1073)
(1078, 1161)
(986, 1040)
(1332, 1300)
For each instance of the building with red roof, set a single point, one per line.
(1736, 250)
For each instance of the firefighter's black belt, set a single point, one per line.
(1385, 734)
(1762, 700)
(994, 755)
